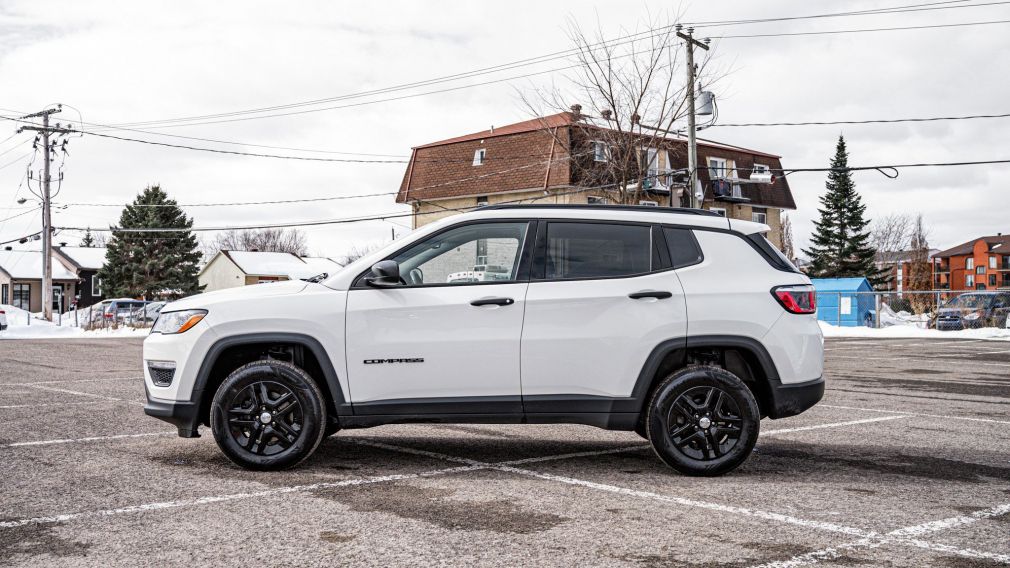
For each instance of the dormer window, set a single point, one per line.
(717, 168)
(479, 156)
(601, 152)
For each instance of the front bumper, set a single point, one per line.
(792, 399)
(183, 415)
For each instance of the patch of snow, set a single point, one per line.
(18, 327)
(27, 265)
(92, 258)
(913, 332)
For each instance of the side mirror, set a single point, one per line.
(385, 274)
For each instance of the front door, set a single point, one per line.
(447, 340)
(58, 299)
(602, 297)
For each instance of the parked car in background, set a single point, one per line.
(118, 310)
(3, 320)
(973, 310)
(148, 313)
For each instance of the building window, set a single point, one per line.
(980, 287)
(649, 203)
(760, 169)
(601, 151)
(969, 280)
(718, 211)
(22, 296)
(759, 215)
(4, 291)
(717, 168)
(992, 262)
(594, 200)
(96, 285)
(650, 161)
(980, 270)
(481, 201)
(479, 156)
(969, 263)
(992, 280)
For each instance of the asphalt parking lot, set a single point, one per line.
(906, 462)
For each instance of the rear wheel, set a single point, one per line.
(703, 421)
(268, 415)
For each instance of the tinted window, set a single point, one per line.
(773, 255)
(597, 250)
(684, 249)
(483, 252)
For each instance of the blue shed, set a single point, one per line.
(839, 301)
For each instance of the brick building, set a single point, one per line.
(980, 264)
(561, 159)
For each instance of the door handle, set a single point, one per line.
(493, 302)
(658, 294)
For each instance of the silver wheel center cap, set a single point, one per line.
(705, 422)
(266, 417)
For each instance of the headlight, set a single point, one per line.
(973, 316)
(177, 322)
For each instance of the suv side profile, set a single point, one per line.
(685, 327)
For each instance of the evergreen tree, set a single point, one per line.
(88, 240)
(840, 246)
(152, 265)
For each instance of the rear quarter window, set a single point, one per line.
(770, 253)
(684, 248)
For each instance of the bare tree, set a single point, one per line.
(355, 252)
(920, 275)
(631, 95)
(786, 237)
(891, 234)
(266, 240)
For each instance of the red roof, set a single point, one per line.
(539, 123)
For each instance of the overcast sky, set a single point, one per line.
(132, 62)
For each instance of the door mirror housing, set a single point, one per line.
(385, 274)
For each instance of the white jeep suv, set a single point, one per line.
(681, 325)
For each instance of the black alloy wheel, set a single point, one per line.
(703, 421)
(268, 415)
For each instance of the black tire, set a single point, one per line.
(703, 421)
(268, 415)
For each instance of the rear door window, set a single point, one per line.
(597, 250)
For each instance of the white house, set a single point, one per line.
(233, 268)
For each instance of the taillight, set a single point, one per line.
(796, 299)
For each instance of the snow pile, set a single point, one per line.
(913, 332)
(19, 328)
(889, 317)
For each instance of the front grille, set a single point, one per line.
(161, 373)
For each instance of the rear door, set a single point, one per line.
(603, 295)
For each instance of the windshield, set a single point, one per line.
(968, 302)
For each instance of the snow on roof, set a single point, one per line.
(91, 258)
(27, 265)
(259, 263)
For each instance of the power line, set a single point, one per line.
(34, 209)
(233, 204)
(18, 159)
(872, 121)
(928, 7)
(862, 30)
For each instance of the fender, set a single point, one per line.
(651, 367)
(306, 341)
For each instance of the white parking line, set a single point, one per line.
(73, 392)
(830, 425)
(229, 497)
(37, 405)
(85, 440)
(138, 379)
(944, 416)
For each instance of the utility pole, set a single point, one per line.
(692, 143)
(47, 222)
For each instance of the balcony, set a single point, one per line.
(726, 190)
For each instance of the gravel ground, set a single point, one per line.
(906, 462)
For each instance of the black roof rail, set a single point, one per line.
(647, 208)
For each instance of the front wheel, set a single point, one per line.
(268, 415)
(703, 421)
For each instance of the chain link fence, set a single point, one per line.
(931, 309)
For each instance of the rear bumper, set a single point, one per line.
(183, 415)
(792, 399)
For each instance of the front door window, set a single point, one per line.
(483, 252)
